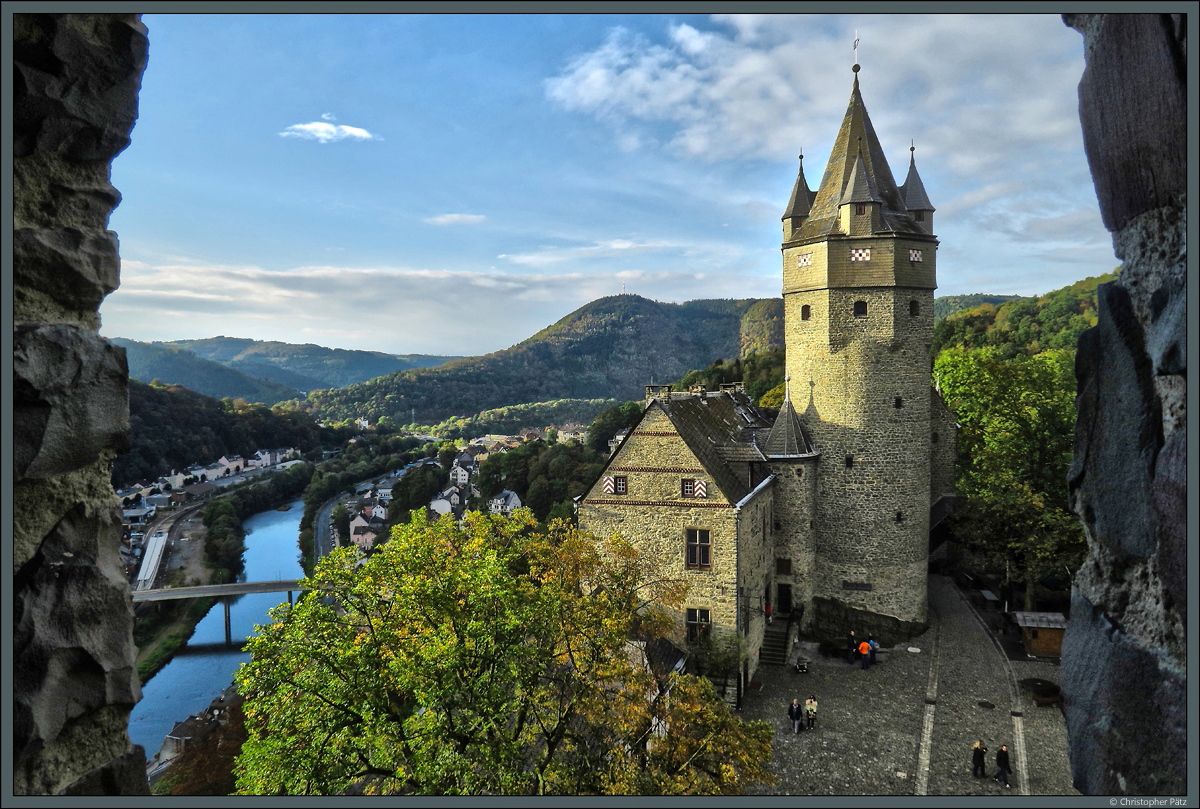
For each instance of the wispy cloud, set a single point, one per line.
(455, 219)
(328, 116)
(549, 256)
(325, 132)
(343, 302)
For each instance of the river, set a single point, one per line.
(204, 667)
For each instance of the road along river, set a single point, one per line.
(204, 666)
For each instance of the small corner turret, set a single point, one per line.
(798, 205)
(915, 198)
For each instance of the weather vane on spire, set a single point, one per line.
(856, 46)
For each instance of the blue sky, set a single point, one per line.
(451, 184)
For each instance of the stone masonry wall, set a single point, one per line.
(1124, 666)
(76, 79)
(794, 513)
(659, 530)
(863, 385)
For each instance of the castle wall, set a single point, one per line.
(942, 449)
(872, 501)
(654, 516)
(794, 509)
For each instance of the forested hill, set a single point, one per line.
(1026, 326)
(304, 367)
(609, 348)
(172, 427)
(174, 366)
(952, 304)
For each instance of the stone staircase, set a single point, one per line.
(774, 650)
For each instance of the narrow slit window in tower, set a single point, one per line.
(914, 308)
(805, 312)
(899, 402)
(860, 308)
(849, 461)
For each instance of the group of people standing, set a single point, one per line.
(863, 650)
(979, 768)
(801, 715)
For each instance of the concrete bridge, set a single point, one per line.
(220, 591)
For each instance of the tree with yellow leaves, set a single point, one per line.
(486, 659)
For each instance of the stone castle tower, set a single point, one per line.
(859, 259)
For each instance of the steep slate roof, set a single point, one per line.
(801, 199)
(787, 438)
(861, 186)
(913, 189)
(856, 138)
(718, 428)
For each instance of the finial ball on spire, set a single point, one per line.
(856, 68)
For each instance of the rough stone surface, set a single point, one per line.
(76, 78)
(70, 399)
(1124, 672)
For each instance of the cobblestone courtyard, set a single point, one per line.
(906, 725)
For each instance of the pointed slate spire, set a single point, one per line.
(787, 436)
(915, 198)
(856, 141)
(801, 200)
(860, 186)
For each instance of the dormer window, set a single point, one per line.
(919, 216)
(860, 208)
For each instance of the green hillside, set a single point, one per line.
(951, 304)
(609, 348)
(304, 367)
(175, 366)
(1026, 326)
(172, 427)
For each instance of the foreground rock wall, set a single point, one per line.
(1124, 670)
(76, 79)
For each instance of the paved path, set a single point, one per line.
(906, 725)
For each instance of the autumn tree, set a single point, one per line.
(484, 659)
(1017, 419)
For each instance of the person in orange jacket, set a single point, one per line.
(864, 651)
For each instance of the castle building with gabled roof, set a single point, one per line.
(821, 511)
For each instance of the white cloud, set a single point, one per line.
(325, 132)
(398, 309)
(550, 256)
(455, 219)
(328, 116)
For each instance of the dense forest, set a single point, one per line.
(1026, 326)
(173, 427)
(610, 348)
(947, 305)
(511, 420)
(1007, 373)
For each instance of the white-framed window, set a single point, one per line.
(692, 487)
(698, 623)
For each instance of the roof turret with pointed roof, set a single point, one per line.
(802, 198)
(913, 190)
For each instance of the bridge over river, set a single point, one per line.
(220, 591)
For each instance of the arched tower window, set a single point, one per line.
(860, 308)
(914, 308)
(805, 312)
(899, 403)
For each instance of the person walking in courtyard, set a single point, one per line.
(864, 651)
(851, 647)
(1002, 766)
(794, 714)
(810, 710)
(978, 766)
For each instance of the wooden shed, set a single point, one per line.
(1042, 632)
